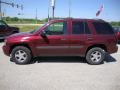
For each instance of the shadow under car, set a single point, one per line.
(68, 59)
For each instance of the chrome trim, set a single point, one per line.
(49, 47)
(76, 46)
(58, 47)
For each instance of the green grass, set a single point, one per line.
(26, 28)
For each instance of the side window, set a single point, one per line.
(77, 27)
(80, 28)
(87, 30)
(57, 28)
(103, 28)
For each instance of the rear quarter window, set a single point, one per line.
(103, 28)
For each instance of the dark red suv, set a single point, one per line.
(89, 38)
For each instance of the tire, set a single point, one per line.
(95, 56)
(21, 55)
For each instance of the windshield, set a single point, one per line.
(35, 30)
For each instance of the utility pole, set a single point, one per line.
(69, 8)
(53, 12)
(48, 10)
(7, 3)
(0, 11)
(36, 16)
(53, 7)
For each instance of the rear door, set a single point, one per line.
(78, 38)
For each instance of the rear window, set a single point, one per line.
(103, 28)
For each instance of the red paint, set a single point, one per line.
(61, 45)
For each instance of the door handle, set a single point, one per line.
(90, 38)
(63, 39)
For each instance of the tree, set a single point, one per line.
(8, 18)
(15, 19)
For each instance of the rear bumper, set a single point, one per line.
(6, 50)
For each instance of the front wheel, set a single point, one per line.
(95, 56)
(21, 55)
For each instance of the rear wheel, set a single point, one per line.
(95, 56)
(21, 55)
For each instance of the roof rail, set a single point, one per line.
(98, 19)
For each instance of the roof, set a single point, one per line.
(94, 19)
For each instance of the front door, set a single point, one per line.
(56, 42)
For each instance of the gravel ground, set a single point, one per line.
(60, 73)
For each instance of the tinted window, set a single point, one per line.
(80, 28)
(87, 30)
(77, 28)
(57, 28)
(103, 28)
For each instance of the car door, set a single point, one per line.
(78, 38)
(56, 42)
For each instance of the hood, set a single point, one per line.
(19, 35)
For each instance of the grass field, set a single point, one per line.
(26, 28)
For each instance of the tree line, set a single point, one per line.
(26, 20)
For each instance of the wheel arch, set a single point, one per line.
(97, 45)
(21, 44)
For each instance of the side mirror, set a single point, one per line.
(43, 34)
